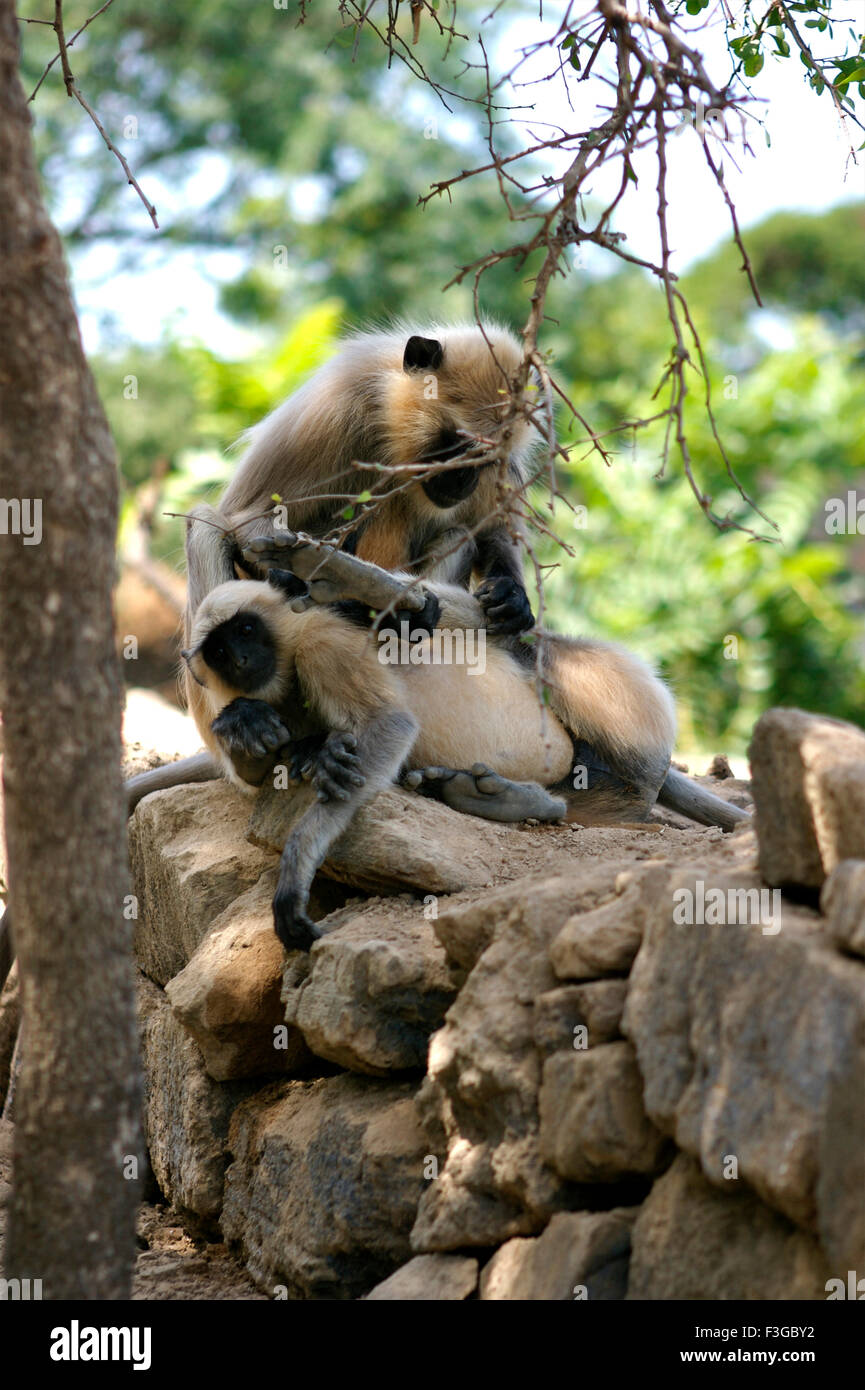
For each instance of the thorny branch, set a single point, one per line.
(659, 82)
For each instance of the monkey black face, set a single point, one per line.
(449, 488)
(422, 355)
(241, 651)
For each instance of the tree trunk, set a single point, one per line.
(77, 1103)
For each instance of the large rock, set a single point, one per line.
(748, 1044)
(190, 859)
(186, 1114)
(809, 792)
(579, 1015)
(372, 990)
(467, 929)
(479, 1100)
(429, 1278)
(582, 1255)
(842, 901)
(606, 940)
(324, 1186)
(593, 1125)
(398, 840)
(691, 1241)
(228, 996)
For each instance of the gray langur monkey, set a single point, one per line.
(476, 738)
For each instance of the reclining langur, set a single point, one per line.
(477, 740)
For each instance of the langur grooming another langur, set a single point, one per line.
(394, 398)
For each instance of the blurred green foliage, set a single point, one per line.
(736, 624)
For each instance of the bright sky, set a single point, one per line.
(807, 166)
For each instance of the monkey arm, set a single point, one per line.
(362, 702)
(211, 554)
(382, 746)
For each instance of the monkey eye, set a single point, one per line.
(220, 653)
(246, 629)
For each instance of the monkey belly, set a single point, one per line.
(491, 717)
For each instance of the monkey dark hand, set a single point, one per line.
(295, 929)
(300, 859)
(329, 764)
(251, 734)
(506, 605)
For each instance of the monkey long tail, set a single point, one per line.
(199, 768)
(680, 794)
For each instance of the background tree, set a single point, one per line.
(77, 1103)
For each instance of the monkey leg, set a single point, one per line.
(382, 747)
(482, 792)
(252, 736)
(331, 574)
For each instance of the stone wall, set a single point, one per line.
(521, 1071)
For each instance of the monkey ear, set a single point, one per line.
(421, 353)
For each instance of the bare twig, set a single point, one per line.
(72, 90)
(69, 43)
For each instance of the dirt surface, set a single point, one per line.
(176, 1266)
(171, 1264)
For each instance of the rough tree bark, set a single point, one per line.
(77, 1104)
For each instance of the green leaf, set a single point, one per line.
(753, 65)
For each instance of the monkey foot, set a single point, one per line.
(264, 553)
(482, 792)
